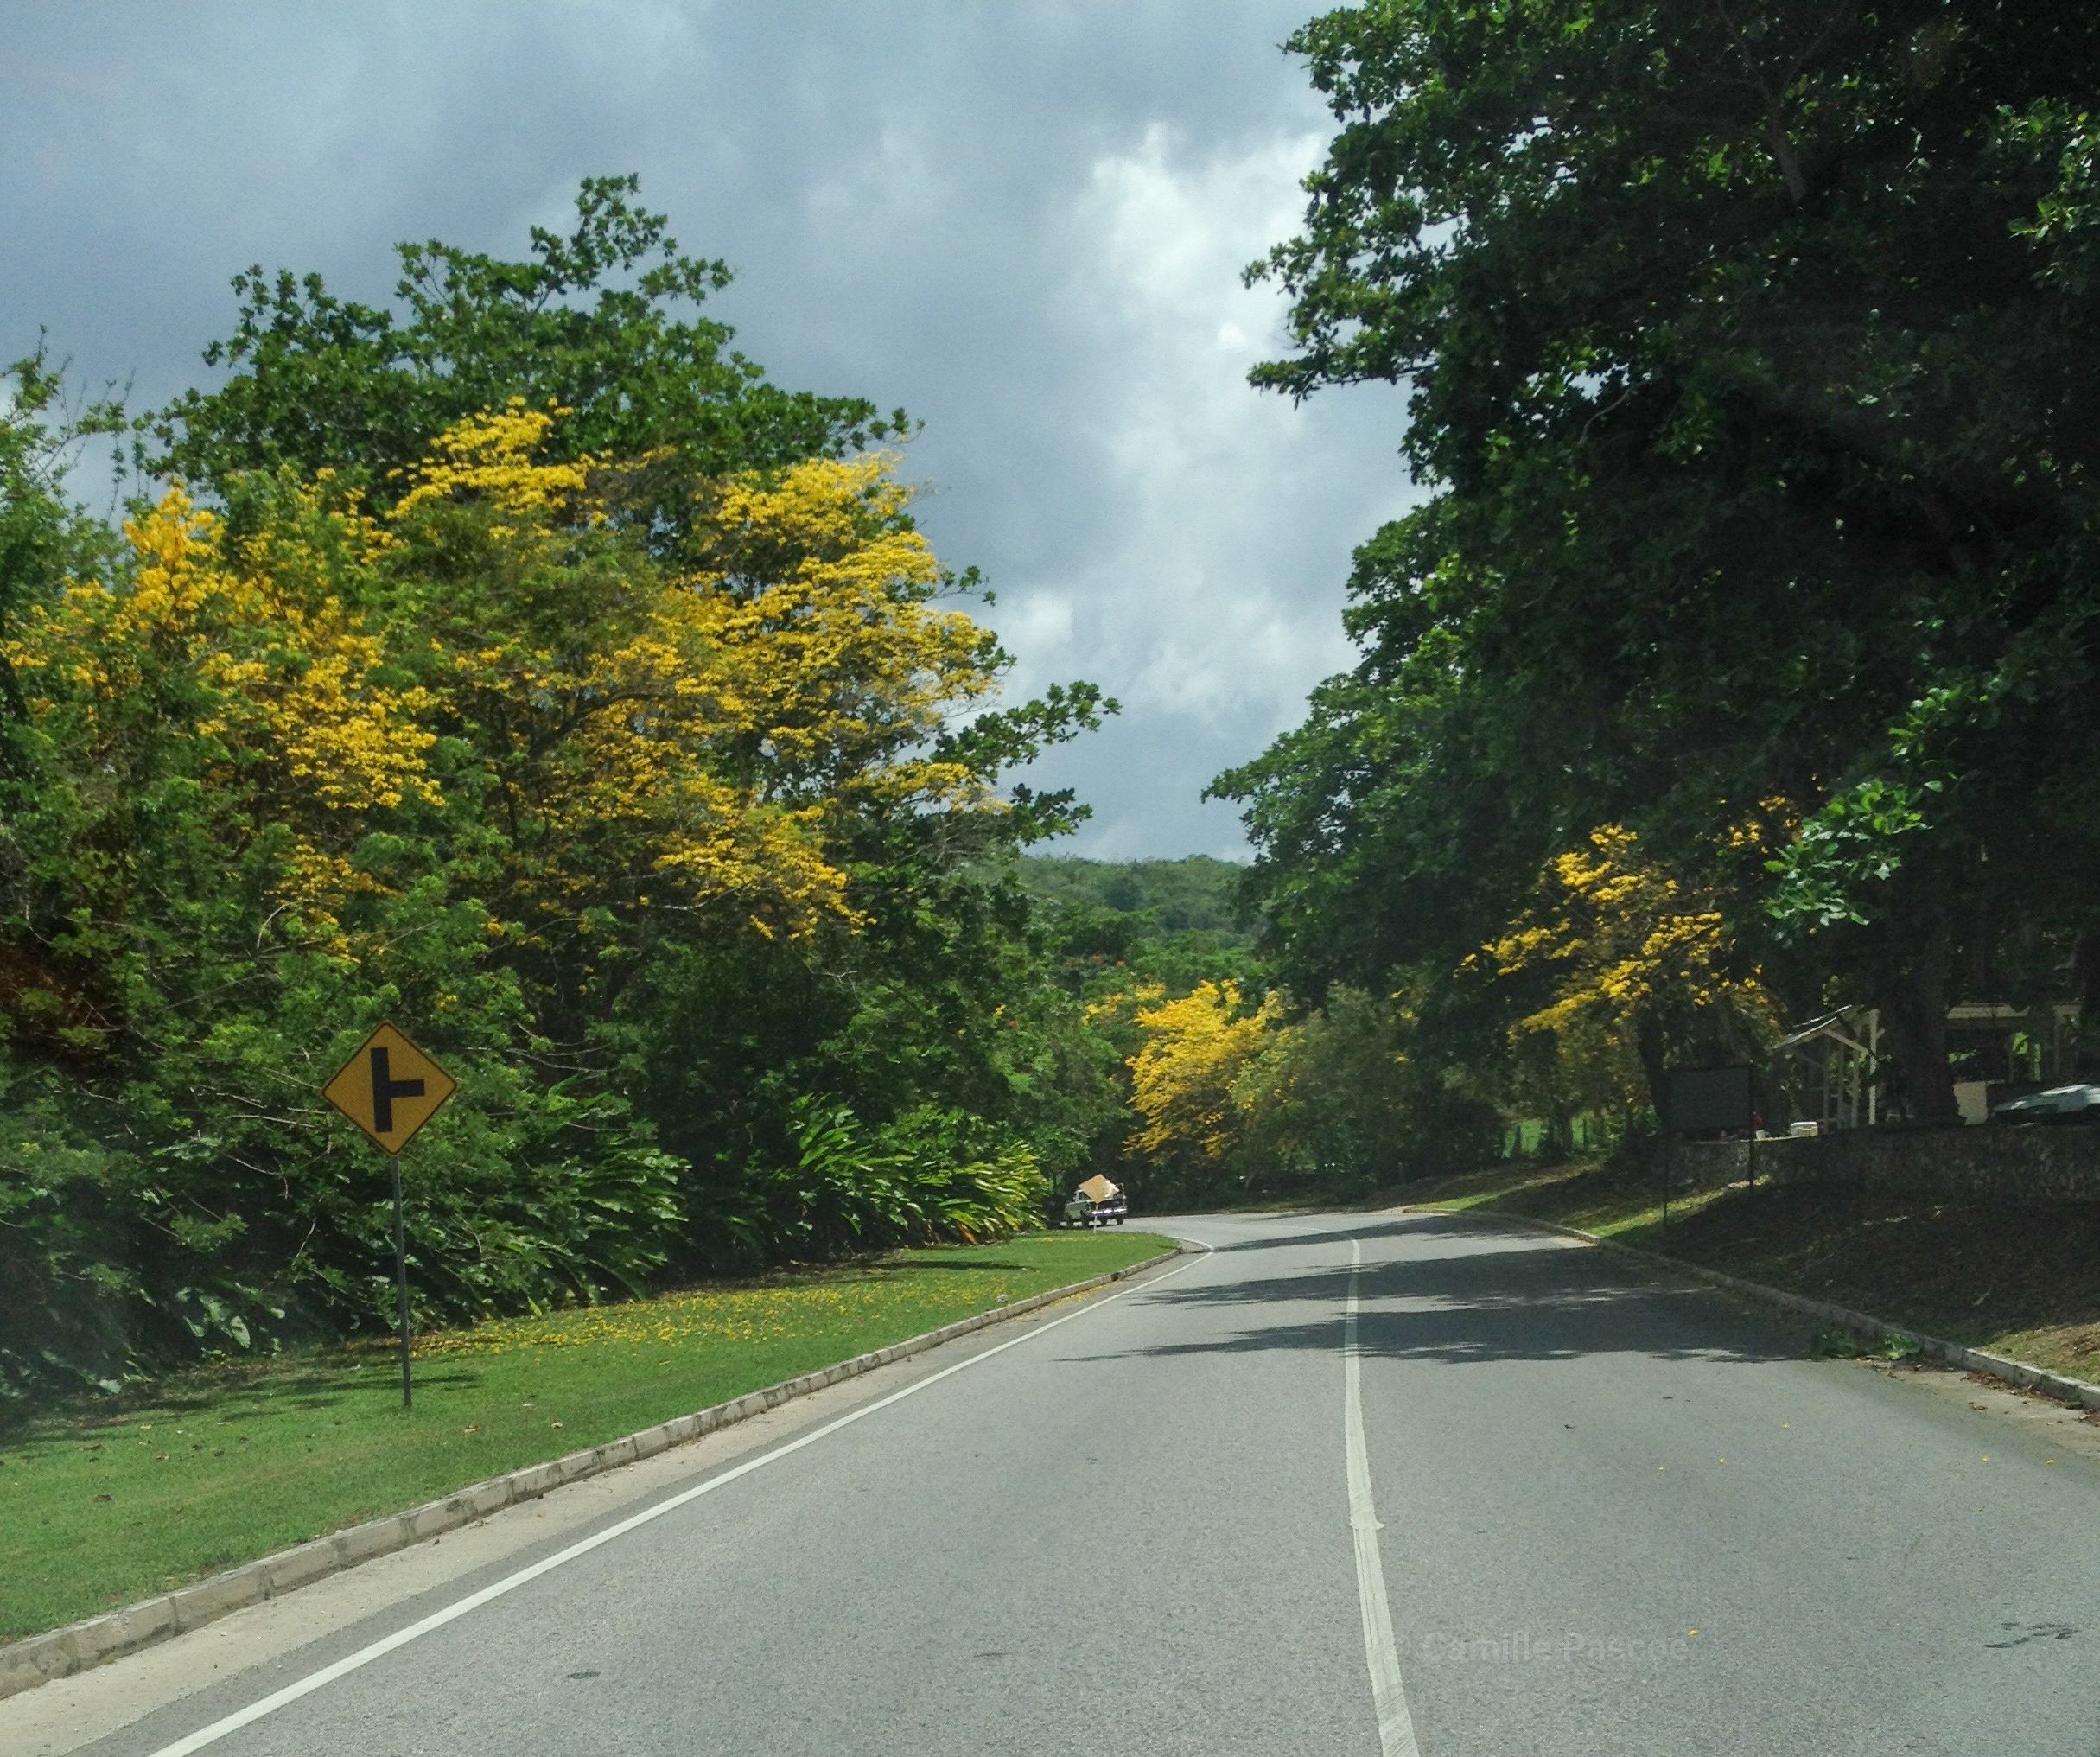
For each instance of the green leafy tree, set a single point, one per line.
(1329, 1098)
(1748, 366)
(635, 751)
(603, 321)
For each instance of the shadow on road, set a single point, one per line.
(1524, 1299)
(1370, 1229)
(1383, 1226)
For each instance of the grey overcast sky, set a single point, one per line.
(1023, 221)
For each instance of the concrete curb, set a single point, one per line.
(60, 1652)
(2022, 1373)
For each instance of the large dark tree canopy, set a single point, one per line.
(1751, 352)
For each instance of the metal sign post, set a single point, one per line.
(408, 1389)
(389, 1089)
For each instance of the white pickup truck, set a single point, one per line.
(1095, 1203)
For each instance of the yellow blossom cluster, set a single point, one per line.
(290, 707)
(697, 730)
(1182, 1080)
(645, 735)
(494, 457)
(1629, 947)
(745, 1315)
(844, 597)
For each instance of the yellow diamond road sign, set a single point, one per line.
(389, 1088)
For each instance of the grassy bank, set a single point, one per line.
(100, 1508)
(2022, 1282)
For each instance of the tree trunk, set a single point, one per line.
(2086, 964)
(1648, 1042)
(1914, 1022)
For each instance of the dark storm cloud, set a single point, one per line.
(1024, 223)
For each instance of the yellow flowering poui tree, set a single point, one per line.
(1184, 1079)
(520, 664)
(492, 764)
(1634, 963)
(653, 741)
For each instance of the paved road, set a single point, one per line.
(1131, 1526)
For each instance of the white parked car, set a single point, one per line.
(2070, 1103)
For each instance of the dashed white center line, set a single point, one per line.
(1381, 1652)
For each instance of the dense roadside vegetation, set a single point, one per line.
(515, 661)
(1228, 1092)
(1741, 659)
(218, 1465)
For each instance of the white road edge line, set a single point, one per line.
(437, 1620)
(1381, 1652)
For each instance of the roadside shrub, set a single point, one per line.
(836, 1185)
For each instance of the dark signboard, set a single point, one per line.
(1701, 1100)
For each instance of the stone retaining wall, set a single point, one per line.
(2038, 1163)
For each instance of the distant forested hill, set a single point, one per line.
(1194, 894)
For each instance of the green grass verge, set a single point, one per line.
(1597, 1199)
(100, 1508)
(2023, 1282)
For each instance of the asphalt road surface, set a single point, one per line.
(1345, 1484)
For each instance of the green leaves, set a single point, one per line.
(1843, 858)
(933, 1173)
(599, 321)
(1750, 371)
(620, 752)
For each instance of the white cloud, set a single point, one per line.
(1207, 596)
